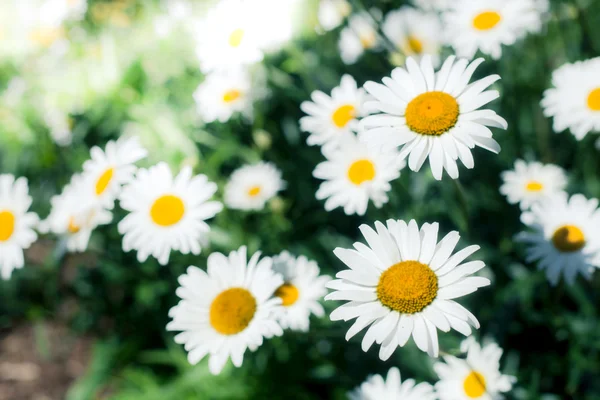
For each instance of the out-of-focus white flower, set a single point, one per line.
(251, 186)
(332, 13)
(392, 388)
(358, 36)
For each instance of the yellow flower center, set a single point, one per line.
(231, 95)
(474, 385)
(486, 20)
(45, 36)
(343, 114)
(254, 191)
(361, 171)
(232, 311)
(7, 225)
(235, 38)
(288, 294)
(368, 39)
(414, 45)
(407, 287)
(534, 186)
(73, 227)
(594, 100)
(568, 238)
(104, 180)
(167, 210)
(432, 113)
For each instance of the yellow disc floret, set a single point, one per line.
(593, 100)
(232, 311)
(432, 113)
(104, 180)
(534, 186)
(486, 20)
(474, 385)
(361, 171)
(343, 114)
(7, 225)
(568, 238)
(167, 210)
(288, 294)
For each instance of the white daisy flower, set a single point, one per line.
(404, 284)
(300, 292)
(228, 37)
(392, 388)
(111, 168)
(433, 115)
(532, 182)
(222, 94)
(574, 101)
(332, 13)
(486, 25)
(358, 36)
(251, 186)
(16, 223)
(227, 310)
(330, 119)
(75, 213)
(414, 32)
(476, 377)
(565, 237)
(355, 174)
(166, 213)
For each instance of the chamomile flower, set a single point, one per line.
(355, 174)
(358, 36)
(476, 377)
(486, 25)
(166, 213)
(414, 32)
(565, 236)
(227, 309)
(433, 115)
(404, 283)
(392, 388)
(531, 182)
(16, 223)
(332, 13)
(251, 186)
(300, 292)
(75, 213)
(330, 119)
(574, 101)
(111, 168)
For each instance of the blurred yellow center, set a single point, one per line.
(486, 20)
(45, 36)
(231, 95)
(361, 171)
(7, 225)
(235, 38)
(254, 191)
(232, 311)
(534, 186)
(104, 180)
(343, 114)
(73, 227)
(432, 113)
(568, 238)
(415, 45)
(474, 385)
(368, 39)
(288, 294)
(407, 287)
(167, 210)
(594, 100)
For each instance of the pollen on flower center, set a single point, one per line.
(73, 227)
(593, 100)
(232, 311)
(361, 171)
(254, 191)
(231, 95)
(7, 225)
(534, 186)
(407, 287)
(288, 294)
(486, 20)
(104, 180)
(474, 385)
(236, 37)
(568, 238)
(167, 210)
(415, 45)
(432, 113)
(343, 114)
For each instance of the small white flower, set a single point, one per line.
(166, 213)
(532, 182)
(476, 377)
(16, 223)
(355, 174)
(59, 124)
(433, 116)
(300, 292)
(404, 283)
(332, 13)
(392, 388)
(251, 186)
(358, 36)
(574, 101)
(331, 119)
(227, 309)
(565, 236)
